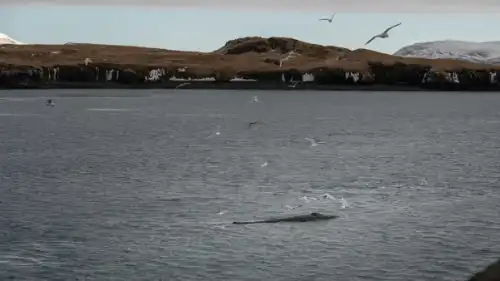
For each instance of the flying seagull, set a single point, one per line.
(329, 20)
(384, 34)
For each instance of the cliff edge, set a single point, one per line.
(274, 62)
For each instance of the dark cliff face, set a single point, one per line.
(490, 273)
(276, 59)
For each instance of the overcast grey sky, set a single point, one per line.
(206, 25)
(440, 6)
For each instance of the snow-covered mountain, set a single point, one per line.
(479, 52)
(5, 39)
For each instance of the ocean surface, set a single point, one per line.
(137, 185)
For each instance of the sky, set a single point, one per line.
(199, 27)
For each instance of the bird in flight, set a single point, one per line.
(328, 19)
(382, 35)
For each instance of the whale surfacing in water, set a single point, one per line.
(301, 218)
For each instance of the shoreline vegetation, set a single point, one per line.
(249, 63)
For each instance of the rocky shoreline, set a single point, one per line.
(250, 63)
(490, 273)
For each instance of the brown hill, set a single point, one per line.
(253, 57)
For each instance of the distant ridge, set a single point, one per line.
(476, 52)
(5, 39)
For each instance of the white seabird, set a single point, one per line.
(328, 19)
(382, 35)
(314, 142)
(328, 196)
(293, 84)
(255, 99)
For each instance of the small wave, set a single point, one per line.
(19, 261)
(110, 109)
(201, 115)
(324, 118)
(184, 115)
(17, 99)
(19, 114)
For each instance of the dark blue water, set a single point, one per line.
(136, 185)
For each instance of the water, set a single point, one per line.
(128, 185)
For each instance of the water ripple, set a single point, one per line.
(151, 193)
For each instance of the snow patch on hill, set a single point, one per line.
(478, 52)
(5, 39)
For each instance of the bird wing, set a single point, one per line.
(332, 16)
(373, 38)
(309, 140)
(324, 19)
(387, 30)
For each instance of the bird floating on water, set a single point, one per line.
(253, 124)
(382, 35)
(293, 84)
(313, 142)
(307, 198)
(292, 208)
(328, 19)
(328, 196)
(255, 99)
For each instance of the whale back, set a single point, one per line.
(299, 218)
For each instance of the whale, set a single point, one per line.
(300, 218)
